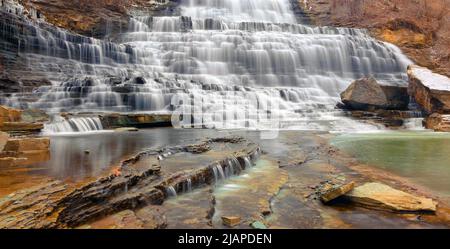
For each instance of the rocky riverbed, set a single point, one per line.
(199, 183)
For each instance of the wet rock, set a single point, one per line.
(379, 196)
(368, 94)
(231, 221)
(137, 184)
(258, 225)
(27, 144)
(438, 122)
(22, 127)
(116, 120)
(364, 94)
(139, 80)
(430, 90)
(34, 116)
(331, 192)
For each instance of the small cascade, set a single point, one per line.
(170, 191)
(187, 186)
(247, 163)
(76, 124)
(414, 124)
(219, 174)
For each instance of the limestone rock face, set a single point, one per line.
(27, 144)
(380, 196)
(3, 139)
(430, 90)
(438, 122)
(368, 94)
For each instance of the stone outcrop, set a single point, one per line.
(438, 122)
(96, 18)
(379, 196)
(368, 94)
(330, 192)
(21, 122)
(27, 144)
(25, 151)
(430, 90)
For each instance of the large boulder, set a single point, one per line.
(379, 196)
(368, 94)
(438, 122)
(430, 90)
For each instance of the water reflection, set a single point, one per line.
(80, 156)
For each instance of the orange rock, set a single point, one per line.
(10, 114)
(27, 144)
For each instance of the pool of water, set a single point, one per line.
(422, 157)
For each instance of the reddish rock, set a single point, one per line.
(430, 90)
(438, 122)
(27, 144)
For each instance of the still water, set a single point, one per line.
(422, 157)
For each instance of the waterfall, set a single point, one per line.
(240, 63)
(70, 125)
(170, 191)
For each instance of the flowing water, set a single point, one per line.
(420, 156)
(246, 63)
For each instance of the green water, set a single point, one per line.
(422, 157)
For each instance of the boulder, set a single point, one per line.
(438, 122)
(380, 196)
(331, 192)
(430, 90)
(368, 94)
(231, 221)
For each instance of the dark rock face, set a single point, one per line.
(367, 94)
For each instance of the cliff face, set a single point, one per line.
(421, 28)
(94, 18)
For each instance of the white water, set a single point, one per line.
(238, 57)
(73, 125)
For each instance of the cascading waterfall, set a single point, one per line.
(71, 125)
(245, 63)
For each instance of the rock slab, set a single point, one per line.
(380, 196)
